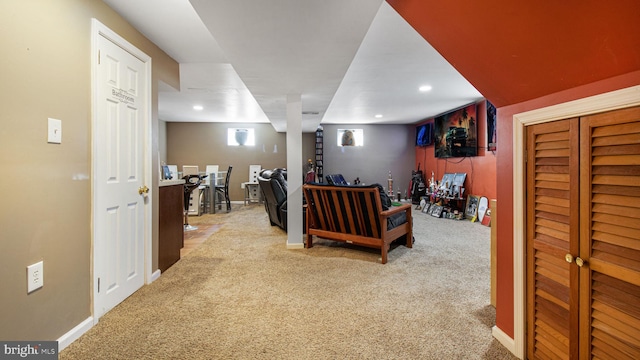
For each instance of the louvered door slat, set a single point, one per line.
(610, 234)
(552, 224)
(613, 346)
(616, 149)
(616, 210)
(626, 242)
(552, 198)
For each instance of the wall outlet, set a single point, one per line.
(35, 276)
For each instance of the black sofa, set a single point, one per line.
(273, 184)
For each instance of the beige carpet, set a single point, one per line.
(243, 295)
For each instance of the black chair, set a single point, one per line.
(336, 179)
(223, 190)
(273, 184)
(190, 184)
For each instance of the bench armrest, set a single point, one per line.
(395, 210)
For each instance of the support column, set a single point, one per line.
(294, 172)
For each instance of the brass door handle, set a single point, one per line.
(569, 258)
(143, 190)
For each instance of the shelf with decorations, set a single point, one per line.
(319, 154)
(447, 198)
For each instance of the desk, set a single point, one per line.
(251, 192)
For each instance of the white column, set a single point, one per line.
(294, 172)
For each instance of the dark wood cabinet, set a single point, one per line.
(171, 228)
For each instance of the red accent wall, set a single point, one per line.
(504, 177)
(480, 170)
(529, 56)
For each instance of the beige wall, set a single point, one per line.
(45, 69)
(205, 144)
(386, 148)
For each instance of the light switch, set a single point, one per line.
(55, 131)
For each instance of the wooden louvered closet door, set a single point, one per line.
(552, 232)
(610, 237)
(583, 237)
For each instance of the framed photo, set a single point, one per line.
(472, 207)
(166, 173)
(455, 133)
(491, 127)
(447, 181)
(437, 211)
(426, 208)
(459, 178)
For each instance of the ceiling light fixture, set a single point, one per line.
(425, 88)
(378, 116)
(197, 107)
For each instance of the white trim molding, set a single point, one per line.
(73, 334)
(156, 274)
(614, 100)
(291, 246)
(504, 339)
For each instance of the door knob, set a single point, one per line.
(580, 262)
(143, 190)
(568, 258)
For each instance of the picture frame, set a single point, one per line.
(471, 211)
(447, 181)
(426, 208)
(166, 173)
(437, 211)
(458, 185)
(459, 178)
(492, 137)
(455, 133)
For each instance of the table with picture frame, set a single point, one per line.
(450, 192)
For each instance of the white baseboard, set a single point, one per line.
(73, 334)
(155, 276)
(504, 339)
(295, 246)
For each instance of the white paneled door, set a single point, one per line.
(120, 189)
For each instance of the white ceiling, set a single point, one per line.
(348, 60)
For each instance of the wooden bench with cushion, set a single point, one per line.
(355, 214)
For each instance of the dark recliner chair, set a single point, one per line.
(336, 179)
(273, 184)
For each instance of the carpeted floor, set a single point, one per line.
(243, 295)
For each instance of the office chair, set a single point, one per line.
(223, 190)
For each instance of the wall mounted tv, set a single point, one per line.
(424, 134)
(456, 134)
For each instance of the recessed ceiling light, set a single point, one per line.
(197, 107)
(378, 116)
(425, 88)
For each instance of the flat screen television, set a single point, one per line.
(424, 134)
(455, 133)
